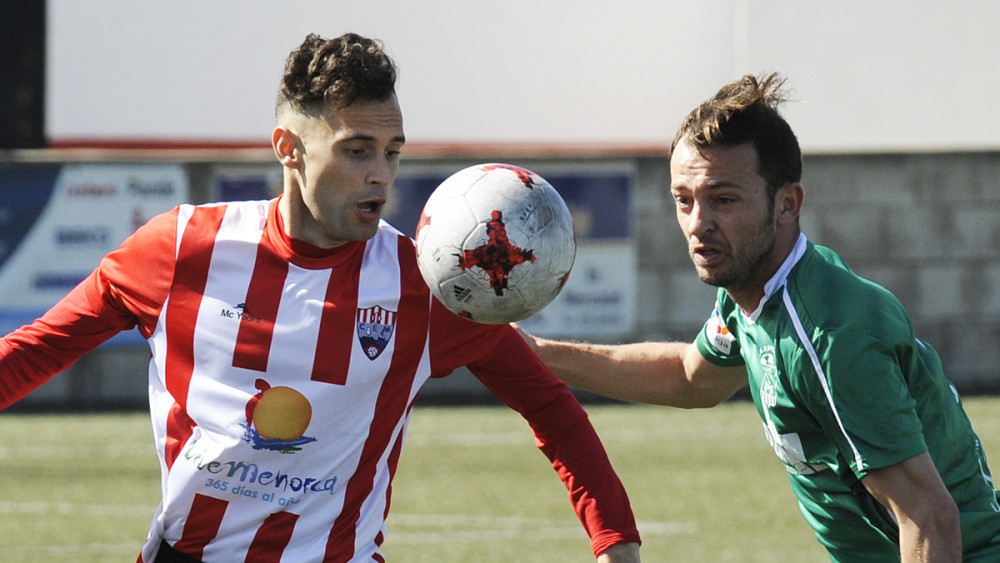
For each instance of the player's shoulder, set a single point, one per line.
(390, 237)
(253, 210)
(206, 220)
(828, 294)
(823, 274)
(385, 229)
(391, 248)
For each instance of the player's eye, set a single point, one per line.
(355, 150)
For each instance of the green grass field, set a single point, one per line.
(471, 487)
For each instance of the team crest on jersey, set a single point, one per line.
(375, 328)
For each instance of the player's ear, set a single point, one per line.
(788, 203)
(287, 147)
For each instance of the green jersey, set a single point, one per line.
(843, 386)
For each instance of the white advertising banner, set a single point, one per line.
(598, 301)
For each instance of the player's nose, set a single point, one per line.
(381, 172)
(698, 220)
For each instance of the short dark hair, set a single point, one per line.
(746, 111)
(335, 73)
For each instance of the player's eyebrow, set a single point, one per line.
(399, 139)
(726, 185)
(712, 186)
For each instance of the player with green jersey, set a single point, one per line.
(879, 450)
(836, 373)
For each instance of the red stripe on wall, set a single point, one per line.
(337, 325)
(259, 311)
(202, 525)
(272, 538)
(392, 402)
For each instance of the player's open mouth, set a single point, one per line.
(371, 210)
(706, 255)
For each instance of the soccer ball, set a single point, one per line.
(495, 243)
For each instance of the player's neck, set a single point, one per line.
(748, 296)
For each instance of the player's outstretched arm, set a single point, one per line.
(929, 529)
(620, 553)
(564, 433)
(661, 373)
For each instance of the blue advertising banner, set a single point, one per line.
(58, 221)
(246, 182)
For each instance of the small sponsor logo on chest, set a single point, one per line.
(242, 313)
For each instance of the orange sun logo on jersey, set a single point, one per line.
(277, 419)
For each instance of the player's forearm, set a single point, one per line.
(929, 544)
(27, 360)
(642, 372)
(565, 435)
(21, 373)
(932, 534)
(568, 439)
(929, 521)
(32, 354)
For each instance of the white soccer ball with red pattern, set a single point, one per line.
(495, 243)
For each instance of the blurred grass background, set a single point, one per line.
(471, 486)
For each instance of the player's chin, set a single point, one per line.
(712, 276)
(367, 223)
(367, 230)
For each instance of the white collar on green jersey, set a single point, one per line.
(778, 280)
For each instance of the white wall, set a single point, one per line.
(869, 74)
(884, 74)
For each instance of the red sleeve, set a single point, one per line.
(564, 433)
(126, 289)
(456, 341)
(136, 278)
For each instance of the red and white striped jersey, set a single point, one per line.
(282, 377)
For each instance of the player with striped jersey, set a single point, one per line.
(289, 341)
(878, 448)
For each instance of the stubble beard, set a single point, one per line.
(747, 261)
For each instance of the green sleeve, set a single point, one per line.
(717, 341)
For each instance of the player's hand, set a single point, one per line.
(620, 553)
